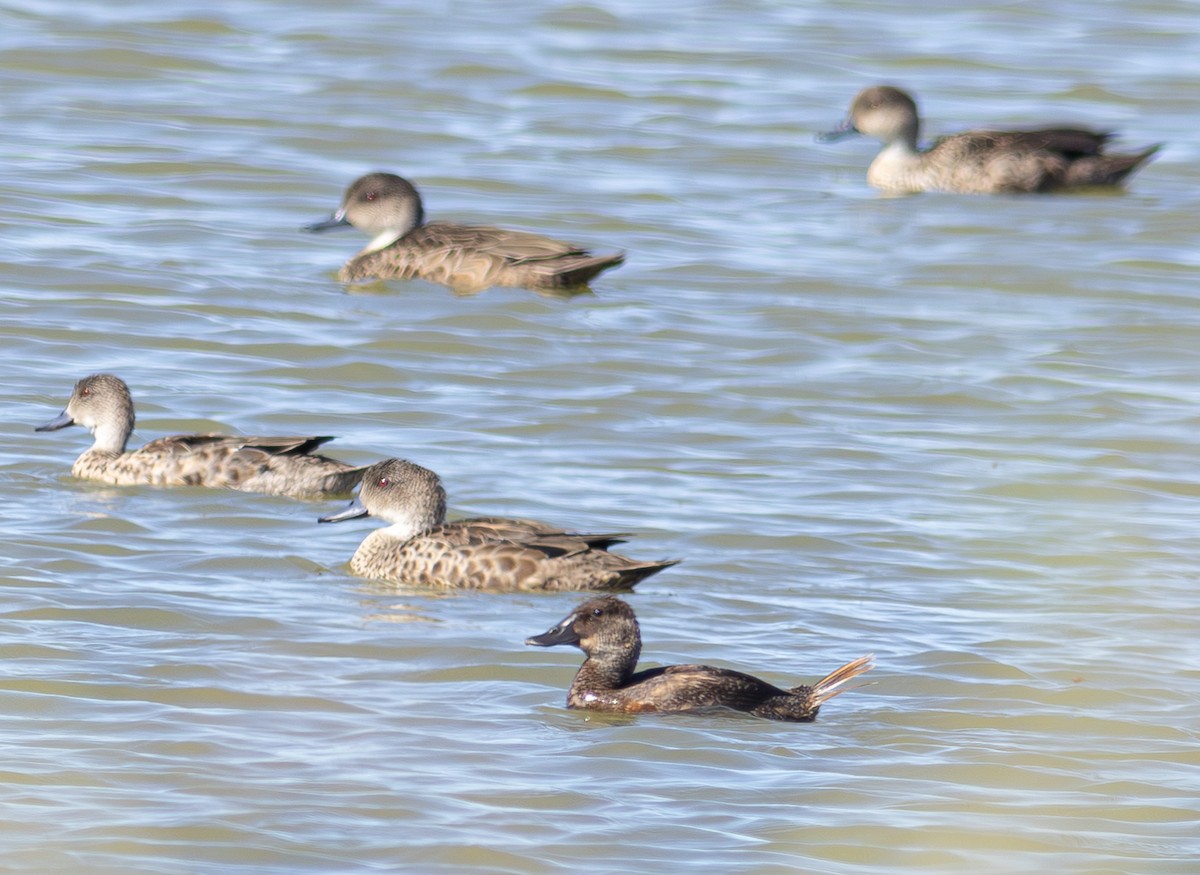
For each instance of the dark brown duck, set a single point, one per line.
(468, 258)
(606, 630)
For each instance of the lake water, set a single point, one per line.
(960, 433)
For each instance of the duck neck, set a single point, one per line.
(111, 437)
(410, 523)
(609, 669)
(901, 150)
(382, 241)
(896, 165)
(409, 220)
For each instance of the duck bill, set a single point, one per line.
(845, 129)
(352, 512)
(61, 421)
(337, 220)
(563, 633)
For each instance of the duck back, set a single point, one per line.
(267, 465)
(498, 554)
(473, 257)
(1049, 159)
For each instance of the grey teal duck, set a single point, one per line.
(102, 404)
(606, 630)
(979, 162)
(467, 258)
(420, 547)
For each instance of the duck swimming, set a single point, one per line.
(420, 547)
(102, 404)
(606, 630)
(468, 258)
(979, 162)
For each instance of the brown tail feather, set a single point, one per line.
(1108, 169)
(832, 684)
(630, 577)
(579, 273)
(1133, 162)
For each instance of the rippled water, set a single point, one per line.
(957, 432)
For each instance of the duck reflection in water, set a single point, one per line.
(606, 630)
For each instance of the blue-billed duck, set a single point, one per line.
(979, 162)
(102, 404)
(467, 258)
(606, 630)
(420, 547)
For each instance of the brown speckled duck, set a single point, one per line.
(420, 547)
(468, 258)
(102, 404)
(606, 630)
(979, 162)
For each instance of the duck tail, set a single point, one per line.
(573, 272)
(631, 575)
(833, 684)
(345, 481)
(1109, 169)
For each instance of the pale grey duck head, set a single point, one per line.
(383, 205)
(102, 404)
(399, 492)
(883, 112)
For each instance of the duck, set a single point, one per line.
(103, 405)
(606, 630)
(419, 547)
(979, 162)
(467, 258)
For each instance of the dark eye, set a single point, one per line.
(597, 612)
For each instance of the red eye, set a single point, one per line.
(384, 482)
(371, 195)
(85, 391)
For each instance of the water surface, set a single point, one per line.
(956, 432)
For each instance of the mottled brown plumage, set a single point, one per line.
(468, 258)
(980, 162)
(606, 630)
(419, 547)
(102, 404)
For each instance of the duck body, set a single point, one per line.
(492, 553)
(606, 630)
(467, 258)
(473, 257)
(270, 465)
(980, 162)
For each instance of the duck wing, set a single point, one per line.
(270, 465)
(275, 446)
(531, 532)
(1070, 143)
(517, 247)
(467, 555)
(688, 687)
